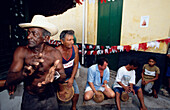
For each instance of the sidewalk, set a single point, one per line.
(161, 103)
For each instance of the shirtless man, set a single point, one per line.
(70, 61)
(36, 65)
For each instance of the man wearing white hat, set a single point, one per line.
(36, 65)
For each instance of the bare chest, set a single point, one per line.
(42, 67)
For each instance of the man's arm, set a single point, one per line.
(124, 87)
(152, 80)
(76, 62)
(60, 68)
(15, 75)
(157, 72)
(75, 67)
(106, 80)
(142, 74)
(92, 87)
(131, 88)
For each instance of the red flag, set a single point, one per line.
(94, 47)
(95, 52)
(78, 1)
(114, 48)
(164, 40)
(88, 52)
(105, 1)
(167, 40)
(101, 1)
(79, 45)
(143, 46)
(110, 50)
(127, 47)
(102, 47)
(87, 46)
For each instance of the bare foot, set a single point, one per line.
(73, 108)
(143, 108)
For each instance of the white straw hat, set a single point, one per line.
(42, 22)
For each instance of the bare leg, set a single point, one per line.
(155, 94)
(74, 101)
(88, 95)
(109, 93)
(118, 100)
(141, 99)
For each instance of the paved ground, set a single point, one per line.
(161, 103)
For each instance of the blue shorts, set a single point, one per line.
(120, 90)
(75, 86)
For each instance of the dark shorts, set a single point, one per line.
(120, 90)
(43, 102)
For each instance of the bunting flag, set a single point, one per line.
(143, 46)
(78, 1)
(99, 49)
(105, 1)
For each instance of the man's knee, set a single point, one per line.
(139, 90)
(117, 94)
(87, 97)
(112, 95)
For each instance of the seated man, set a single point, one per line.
(150, 74)
(125, 81)
(97, 79)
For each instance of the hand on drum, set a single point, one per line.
(127, 88)
(98, 94)
(70, 82)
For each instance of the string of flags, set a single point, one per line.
(99, 49)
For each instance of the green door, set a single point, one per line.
(109, 27)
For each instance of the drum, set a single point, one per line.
(99, 98)
(124, 96)
(67, 93)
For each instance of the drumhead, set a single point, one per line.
(99, 99)
(124, 96)
(67, 93)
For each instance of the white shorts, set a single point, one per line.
(100, 88)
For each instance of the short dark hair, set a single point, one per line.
(134, 62)
(152, 57)
(101, 61)
(63, 34)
